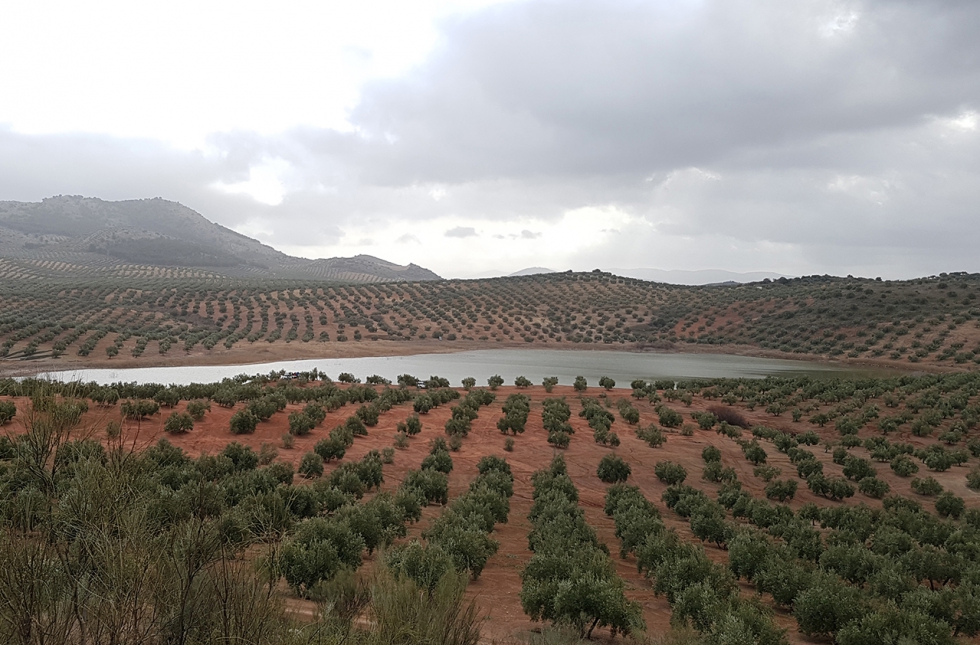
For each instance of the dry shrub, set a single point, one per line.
(731, 416)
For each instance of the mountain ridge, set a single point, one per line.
(68, 233)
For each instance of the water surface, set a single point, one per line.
(535, 364)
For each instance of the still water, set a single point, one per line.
(535, 364)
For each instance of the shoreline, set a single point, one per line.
(278, 352)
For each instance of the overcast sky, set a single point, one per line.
(473, 136)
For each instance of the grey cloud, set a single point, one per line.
(461, 231)
(529, 235)
(737, 134)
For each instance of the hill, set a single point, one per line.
(71, 235)
(924, 322)
(701, 277)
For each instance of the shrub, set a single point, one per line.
(549, 383)
(613, 469)
(781, 490)
(495, 381)
(388, 455)
(300, 425)
(413, 425)
(904, 466)
(669, 418)
(243, 422)
(559, 439)
(401, 440)
(857, 469)
(670, 473)
(439, 461)
(652, 435)
(315, 412)
(973, 479)
(509, 444)
(455, 443)
(766, 473)
(607, 382)
(311, 466)
(522, 382)
(755, 453)
(267, 453)
(714, 472)
(288, 441)
(874, 487)
(197, 408)
(431, 485)
(580, 384)
(928, 486)
(949, 505)
(178, 423)
(330, 448)
(318, 551)
(139, 409)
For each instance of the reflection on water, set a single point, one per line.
(535, 364)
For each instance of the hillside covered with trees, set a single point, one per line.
(924, 322)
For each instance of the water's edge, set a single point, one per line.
(534, 364)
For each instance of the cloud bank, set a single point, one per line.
(807, 137)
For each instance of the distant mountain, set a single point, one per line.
(88, 236)
(702, 277)
(530, 271)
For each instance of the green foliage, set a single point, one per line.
(781, 490)
(300, 424)
(612, 469)
(669, 418)
(243, 422)
(927, 486)
(670, 473)
(949, 505)
(178, 423)
(197, 408)
(311, 465)
(874, 487)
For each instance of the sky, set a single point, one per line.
(479, 137)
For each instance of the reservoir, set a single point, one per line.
(535, 364)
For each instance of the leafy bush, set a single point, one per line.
(904, 466)
(178, 423)
(874, 487)
(300, 425)
(781, 490)
(243, 422)
(612, 469)
(311, 465)
(197, 408)
(670, 473)
(669, 418)
(949, 505)
(927, 486)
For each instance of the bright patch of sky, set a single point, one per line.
(180, 70)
